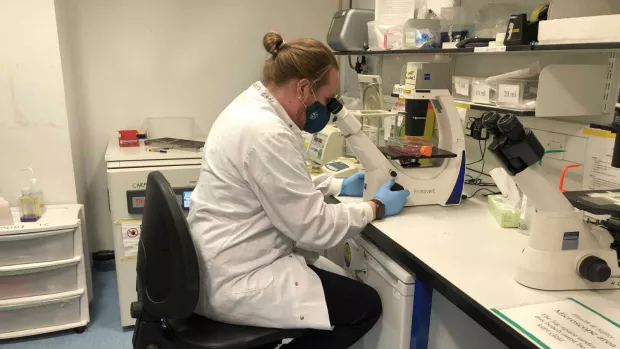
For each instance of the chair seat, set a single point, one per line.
(197, 332)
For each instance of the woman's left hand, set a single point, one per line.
(354, 185)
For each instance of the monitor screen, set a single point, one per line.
(186, 198)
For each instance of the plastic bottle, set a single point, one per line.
(29, 209)
(35, 191)
(6, 218)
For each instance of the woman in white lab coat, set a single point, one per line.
(256, 211)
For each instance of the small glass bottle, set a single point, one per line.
(28, 207)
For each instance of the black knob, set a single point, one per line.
(594, 269)
(135, 310)
(393, 174)
(397, 187)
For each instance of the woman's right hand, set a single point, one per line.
(394, 201)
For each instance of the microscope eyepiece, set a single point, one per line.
(334, 106)
(511, 127)
(489, 121)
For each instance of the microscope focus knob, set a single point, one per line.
(594, 269)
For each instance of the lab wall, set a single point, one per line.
(34, 127)
(137, 59)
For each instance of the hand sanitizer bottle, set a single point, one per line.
(29, 208)
(36, 192)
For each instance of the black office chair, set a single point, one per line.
(168, 283)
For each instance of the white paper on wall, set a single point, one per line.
(598, 173)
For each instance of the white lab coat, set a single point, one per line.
(254, 206)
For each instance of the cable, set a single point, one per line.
(482, 152)
(491, 192)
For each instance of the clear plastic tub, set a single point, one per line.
(483, 93)
(36, 247)
(39, 314)
(517, 93)
(409, 145)
(54, 277)
(461, 88)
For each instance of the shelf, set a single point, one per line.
(490, 50)
(486, 107)
(437, 154)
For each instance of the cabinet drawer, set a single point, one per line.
(27, 280)
(36, 247)
(40, 312)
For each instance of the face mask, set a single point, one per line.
(317, 116)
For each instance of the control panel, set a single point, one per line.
(136, 199)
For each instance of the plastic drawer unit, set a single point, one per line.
(45, 279)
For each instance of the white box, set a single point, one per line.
(27, 280)
(36, 247)
(592, 29)
(39, 313)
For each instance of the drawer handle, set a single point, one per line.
(33, 268)
(31, 236)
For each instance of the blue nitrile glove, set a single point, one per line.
(394, 201)
(354, 185)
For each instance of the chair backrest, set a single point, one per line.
(167, 268)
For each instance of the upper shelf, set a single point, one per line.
(519, 48)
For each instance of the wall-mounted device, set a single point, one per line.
(349, 30)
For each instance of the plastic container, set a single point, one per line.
(28, 280)
(29, 209)
(409, 145)
(373, 36)
(6, 217)
(483, 93)
(461, 88)
(517, 93)
(36, 247)
(128, 138)
(37, 314)
(422, 33)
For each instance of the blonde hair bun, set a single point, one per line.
(273, 43)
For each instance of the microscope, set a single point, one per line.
(564, 252)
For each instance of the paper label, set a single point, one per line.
(568, 324)
(481, 94)
(509, 93)
(461, 86)
(490, 49)
(130, 232)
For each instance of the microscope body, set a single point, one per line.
(563, 252)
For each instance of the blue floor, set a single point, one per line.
(104, 330)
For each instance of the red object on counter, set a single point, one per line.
(128, 138)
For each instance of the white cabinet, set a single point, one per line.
(45, 274)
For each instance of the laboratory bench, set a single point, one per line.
(463, 254)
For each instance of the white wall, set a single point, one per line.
(34, 127)
(138, 59)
